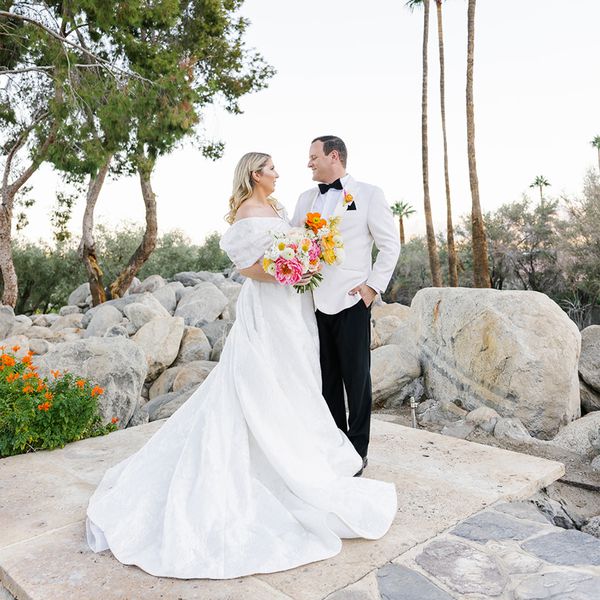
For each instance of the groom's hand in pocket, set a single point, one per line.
(366, 293)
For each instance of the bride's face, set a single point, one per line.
(265, 178)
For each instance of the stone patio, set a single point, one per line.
(441, 482)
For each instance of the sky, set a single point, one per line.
(353, 69)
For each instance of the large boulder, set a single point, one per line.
(194, 346)
(201, 305)
(385, 327)
(103, 319)
(590, 398)
(115, 364)
(392, 367)
(159, 340)
(581, 436)
(73, 321)
(381, 309)
(164, 406)
(139, 313)
(164, 382)
(589, 361)
(167, 296)
(150, 284)
(78, 297)
(514, 351)
(191, 374)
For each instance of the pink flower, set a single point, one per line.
(288, 272)
(314, 251)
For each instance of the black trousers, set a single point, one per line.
(345, 341)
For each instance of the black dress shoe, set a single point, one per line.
(364, 466)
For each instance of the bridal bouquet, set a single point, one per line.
(299, 251)
(292, 254)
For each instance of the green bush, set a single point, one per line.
(38, 414)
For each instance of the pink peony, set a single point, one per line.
(314, 252)
(288, 272)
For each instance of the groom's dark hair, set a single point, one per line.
(332, 142)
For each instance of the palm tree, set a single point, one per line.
(434, 259)
(452, 259)
(481, 274)
(540, 182)
(402, 210)
(596, 143)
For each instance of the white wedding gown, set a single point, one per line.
(250, 475)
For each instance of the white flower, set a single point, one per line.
(288, 253)
(271, 269)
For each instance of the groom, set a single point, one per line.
(344, 297)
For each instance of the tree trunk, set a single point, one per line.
(434, 260)
(87, 248)
(401, 232)
(120, 285)
(598, 159)
(7, 267)
(452, 260)
(481, 274)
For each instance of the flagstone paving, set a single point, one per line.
(454, 535)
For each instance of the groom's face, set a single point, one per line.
(320, 164)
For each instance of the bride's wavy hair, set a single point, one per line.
(243, 183)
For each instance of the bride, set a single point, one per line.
(250, 475)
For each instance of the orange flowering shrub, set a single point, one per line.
(41, 414)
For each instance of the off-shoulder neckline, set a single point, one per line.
(248, 218)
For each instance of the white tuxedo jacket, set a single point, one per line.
(371, 221)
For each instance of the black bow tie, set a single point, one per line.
(336, 185)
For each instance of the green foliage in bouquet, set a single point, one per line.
(41, 414)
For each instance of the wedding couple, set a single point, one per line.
(259, 471)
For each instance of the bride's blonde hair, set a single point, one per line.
(243, 183)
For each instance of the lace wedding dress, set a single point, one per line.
(251, 474)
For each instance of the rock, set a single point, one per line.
(164, 406)
(16, 341)
(188, 278)
(194, 346)
(117, 331)
(167, 297)
(78, 296)
(391, 368)
(553, 510)
(103, 319)
(22, 324)
(150, 284)
(73, 321)
(397, 582)
(516, 562)
(139, 314)
(483, 417)
(522, 510)
(132, 286)
(7, 324)
(459, 429)
(581, 436)
(512, 430)
(43, 333)
(115, 364)
(590, 398)
(385, 327)
(514, 351)
(215, 353)
(414, 389)
(204, 304)
(217, 330)
(589, 361)
(558, 585)
(140, 416)
(462, 568)
(382, 309)
(595, 464)
(159, 340)
(193, 373)
(592, 527)
(164, 383)
(69, 310)
(39, 346)
(232, 290)
(491, 525)
(565, 547)
(439, 413)
(41, 321)
(7, 310)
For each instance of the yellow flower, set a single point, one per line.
(266, 263)
(348, 198)
(329, 256)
